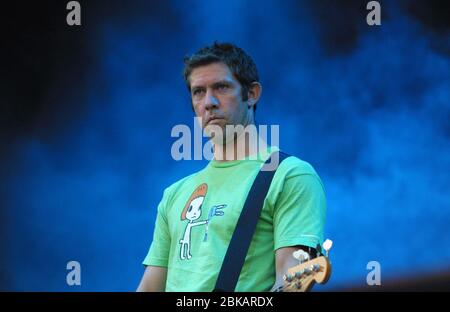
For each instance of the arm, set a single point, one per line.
(299, 220)
(156, 261)
(153, 280)
(284, 261)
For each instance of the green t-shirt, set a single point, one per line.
(197, 216)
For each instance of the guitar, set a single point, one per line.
(302, 277)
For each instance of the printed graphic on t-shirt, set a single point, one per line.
(192, 212)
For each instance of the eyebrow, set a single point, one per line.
(215, 84)
(222, 82)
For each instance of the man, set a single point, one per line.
(197, 215)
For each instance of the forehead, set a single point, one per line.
(209, 74)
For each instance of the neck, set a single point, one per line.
(241, 146)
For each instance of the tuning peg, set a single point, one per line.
(301, 255)
(316, 267)
(287, 277)
(327, 246)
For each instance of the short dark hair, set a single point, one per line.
(239, 62)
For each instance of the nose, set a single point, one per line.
(210, 100)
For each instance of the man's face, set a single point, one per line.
(217, 97)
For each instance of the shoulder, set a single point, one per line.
(295, 184)
(176, 187)
(295, 169)
(293, 165)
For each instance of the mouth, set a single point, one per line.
(213, 120)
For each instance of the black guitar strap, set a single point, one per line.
(245, 228)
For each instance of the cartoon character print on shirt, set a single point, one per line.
(192, 212)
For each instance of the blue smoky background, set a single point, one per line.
(87, 112)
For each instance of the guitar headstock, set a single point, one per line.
(302, 277)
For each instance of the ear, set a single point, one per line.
(254, 94)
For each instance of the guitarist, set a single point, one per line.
(197, 215)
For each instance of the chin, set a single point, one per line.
(211, 130)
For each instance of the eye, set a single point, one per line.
(190, 208)
(197, 91)
(222, 86)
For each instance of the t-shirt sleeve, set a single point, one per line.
(158, 254)
(300, 212)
